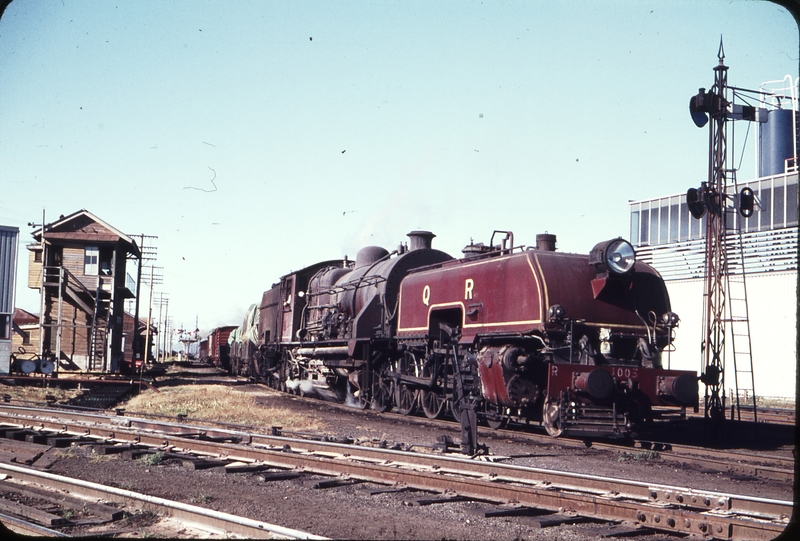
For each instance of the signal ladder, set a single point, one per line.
(739, 320)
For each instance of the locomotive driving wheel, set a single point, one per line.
(382, 391)
(432, 404)
(551, 417)
(406, 399)
(433, 401)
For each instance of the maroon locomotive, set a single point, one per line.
(574, 342)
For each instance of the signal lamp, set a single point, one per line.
(694, 200)
(702, 199)
(701, 105)
(747, 202)
(698, 109)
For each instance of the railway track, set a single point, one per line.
(753, 463)
(766, 464)
(763, 464)
(765, 414)
(561, 496)
(83, 494)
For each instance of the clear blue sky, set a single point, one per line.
(255, 138)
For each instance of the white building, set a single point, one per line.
(9, 238)
(666, 235)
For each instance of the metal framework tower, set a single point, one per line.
(715, 265)
(712, 201)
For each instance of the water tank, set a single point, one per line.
(775, 142)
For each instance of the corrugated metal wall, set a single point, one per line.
(9, 237)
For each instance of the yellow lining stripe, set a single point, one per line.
(543, 294)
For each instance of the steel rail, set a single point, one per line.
(204, 518)
(24, 527)
(721, 460)
(658, 506)
(184, 437)
(724, 460)
(781, 468)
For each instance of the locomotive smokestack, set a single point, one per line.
(546, 242)
(421, 240)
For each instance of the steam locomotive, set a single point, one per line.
(504, 333)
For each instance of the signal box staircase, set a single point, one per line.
(91, 302)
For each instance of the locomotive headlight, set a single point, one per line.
(615, 256)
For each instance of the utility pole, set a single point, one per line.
(154, 280)
(167, 332)
(146, 253)
(162, 300)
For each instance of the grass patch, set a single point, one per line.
(772, 402)
(68, 452)
(220, 404)
(153, 459)
(201, 499)
(95, 458)
(639, 456)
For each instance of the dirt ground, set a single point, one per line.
(350, 512)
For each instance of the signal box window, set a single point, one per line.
(91, 255)
(106, 258)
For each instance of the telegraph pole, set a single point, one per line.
(162, 300)
(155, 279)
(145, 254)
(167, 333)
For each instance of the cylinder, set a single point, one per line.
(598, 383)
